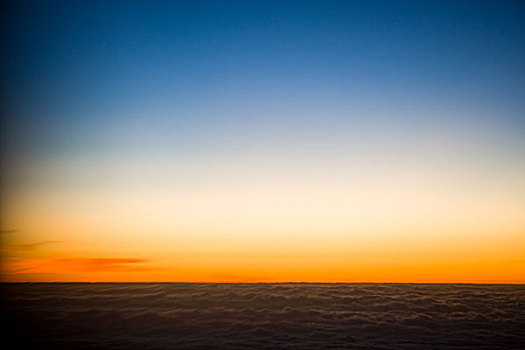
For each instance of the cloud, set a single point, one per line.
(8, 231)
(76, 265)
(35, 245)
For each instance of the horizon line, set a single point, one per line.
(201, 282)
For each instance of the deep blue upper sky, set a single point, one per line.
(74, 70)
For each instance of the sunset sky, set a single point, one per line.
(221, 141)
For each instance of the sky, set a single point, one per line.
(263, 141)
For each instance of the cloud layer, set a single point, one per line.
(270, 316)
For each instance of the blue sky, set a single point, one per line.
(76, 68)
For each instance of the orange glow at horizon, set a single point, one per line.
(438, 243)
(137, 270)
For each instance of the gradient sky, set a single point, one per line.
(245, 141)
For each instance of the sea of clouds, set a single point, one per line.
(265, 316)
